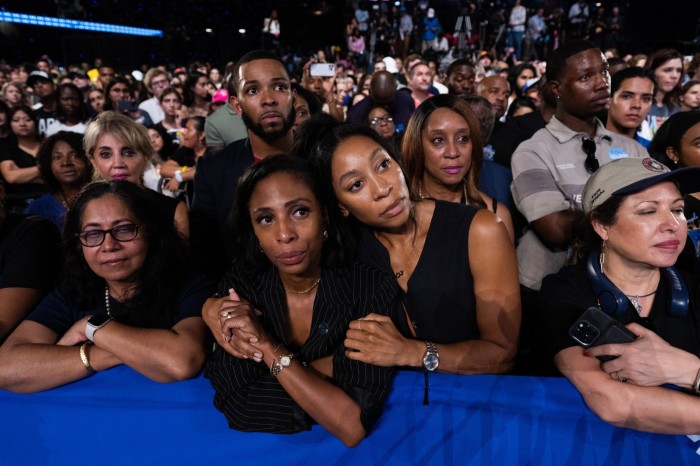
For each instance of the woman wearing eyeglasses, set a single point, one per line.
(116, 304)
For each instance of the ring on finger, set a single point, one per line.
(226, 315)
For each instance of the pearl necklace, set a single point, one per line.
(306, 290)
(107, 307)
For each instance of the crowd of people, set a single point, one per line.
(326, 225)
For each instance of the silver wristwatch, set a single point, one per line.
(431, 359)
(283, 363)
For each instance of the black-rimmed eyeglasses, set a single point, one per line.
(592, 164)
(121, 233)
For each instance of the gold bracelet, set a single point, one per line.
(696, 384)
(84, 356)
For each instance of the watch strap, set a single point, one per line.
(90, 329)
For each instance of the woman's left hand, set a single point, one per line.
(648, 361)
(75, 334)
(374, 339)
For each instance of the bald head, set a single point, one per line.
(382, 87)
(496, 90)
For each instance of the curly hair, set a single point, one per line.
(44, 156)
(154, 304)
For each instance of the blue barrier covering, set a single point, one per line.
(121, 417)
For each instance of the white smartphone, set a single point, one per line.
(323, 69)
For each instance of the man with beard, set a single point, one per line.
(265, 101)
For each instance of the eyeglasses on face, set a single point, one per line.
(378, 120)
(592, 164)
(121, 233)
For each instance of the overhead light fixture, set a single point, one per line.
(242, 31)
(33, 20)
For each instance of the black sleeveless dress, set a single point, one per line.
(440, 299)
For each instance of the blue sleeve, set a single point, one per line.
(56, 313)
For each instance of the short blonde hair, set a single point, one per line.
(130, 133)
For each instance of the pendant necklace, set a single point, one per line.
(634, 299)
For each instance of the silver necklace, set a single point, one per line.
(634, 299)
(107, 308)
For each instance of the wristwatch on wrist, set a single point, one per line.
(283, 363)
(95, 323)
(431, 358)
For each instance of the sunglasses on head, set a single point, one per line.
(592, 164)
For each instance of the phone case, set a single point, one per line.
(595, 328)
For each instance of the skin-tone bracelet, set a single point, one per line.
(84, 356)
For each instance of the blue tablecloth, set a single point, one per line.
(120, 417)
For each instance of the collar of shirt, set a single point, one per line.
(564, 134)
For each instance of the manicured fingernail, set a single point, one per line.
(587, 354)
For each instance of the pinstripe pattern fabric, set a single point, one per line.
(253, 400)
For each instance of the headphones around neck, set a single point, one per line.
(614, 302)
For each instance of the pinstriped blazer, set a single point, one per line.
(252, 399)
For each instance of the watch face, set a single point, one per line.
(285, 361)
(99, 319)
(431, 361)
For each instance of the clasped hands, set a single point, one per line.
(242, 334)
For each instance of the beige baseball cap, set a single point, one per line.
(631, 175)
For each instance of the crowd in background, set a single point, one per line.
(479, 117)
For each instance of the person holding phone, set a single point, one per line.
(632, 236)
(280, 364)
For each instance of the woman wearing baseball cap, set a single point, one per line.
(634, 233)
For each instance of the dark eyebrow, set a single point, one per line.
(286, 204)
(351, 173)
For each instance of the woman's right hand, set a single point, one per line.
(242, 329)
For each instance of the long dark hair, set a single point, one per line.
(656, 60)
(412, 146)
(245, 245)
(154, 304)
(43, 158)
(317, 142)
(109, 105)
